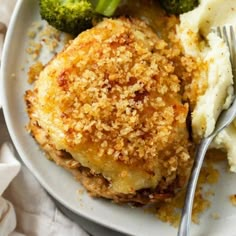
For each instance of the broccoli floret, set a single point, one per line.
(74, 16)
(179, 6)
(107, 8)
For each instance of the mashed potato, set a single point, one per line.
(198, 38)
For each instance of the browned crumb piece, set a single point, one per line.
(51, 37)
(34, 49)
(67, 39)
(215, 216)
(34, 29)
(170, 211)
(194, 83)
(31, 34)
(199, 206)
(209, 175)
(34, 71)
(233, 199)
(80, 191)
(43, 36)
(209, 193)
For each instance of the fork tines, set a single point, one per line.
(227, 33)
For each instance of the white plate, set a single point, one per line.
(58, 182)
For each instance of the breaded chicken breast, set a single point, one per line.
(109, 108)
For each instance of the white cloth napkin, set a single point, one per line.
(25, 207)
(29, 211)
(9, 167)
(6, 8)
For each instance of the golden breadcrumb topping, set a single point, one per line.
(233, 199)
(170, 211)
(34, 71)
(113, 99)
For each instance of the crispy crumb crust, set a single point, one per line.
(123, 61)
(97, 185)
(233, 199)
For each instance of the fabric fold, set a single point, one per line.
(9, 167)
(7, 217)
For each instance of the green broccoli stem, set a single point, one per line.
(107, 7)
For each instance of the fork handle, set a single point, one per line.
(187, 209)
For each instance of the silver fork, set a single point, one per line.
(225, 118)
